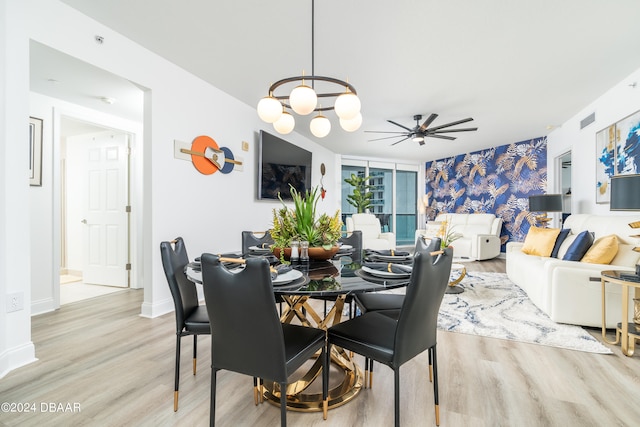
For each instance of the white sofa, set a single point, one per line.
(570, 291)
(480, 234)
(372, 235)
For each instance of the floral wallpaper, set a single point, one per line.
(497, 180)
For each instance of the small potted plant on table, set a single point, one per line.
(300, 223)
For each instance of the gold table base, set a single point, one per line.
(298, 396)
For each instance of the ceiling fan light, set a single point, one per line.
(303, 99)
(347, 105)
(269, 109)
(284, 124)
(320, 126)
(353, 124)
(418, 138)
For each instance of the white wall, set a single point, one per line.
(614, 105)
(208, 211)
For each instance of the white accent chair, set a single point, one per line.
(372, 235)
(480, 234)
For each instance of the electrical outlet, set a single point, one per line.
(15, 302)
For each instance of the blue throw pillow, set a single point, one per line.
(556, 247)
(579, 247)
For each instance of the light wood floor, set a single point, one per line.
(119, 366)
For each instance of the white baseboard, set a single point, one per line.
(17, 357)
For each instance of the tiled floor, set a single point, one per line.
(73, 291)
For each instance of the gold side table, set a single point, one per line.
(453, 287)
(626, 332)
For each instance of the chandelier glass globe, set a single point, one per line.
(320, 126)
(284, 124)
(269, 109)
(347, 105)
(303, 100)
(353, 124)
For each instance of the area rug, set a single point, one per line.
(493, 306)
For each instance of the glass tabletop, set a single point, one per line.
(325, 278)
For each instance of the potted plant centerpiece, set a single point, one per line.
(301, 224)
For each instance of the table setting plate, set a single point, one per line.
(389, 258)
(259, 250)
(287, 278)
(385, 274)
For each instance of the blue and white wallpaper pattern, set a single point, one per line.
(497, 180)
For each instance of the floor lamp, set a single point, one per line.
(625, 196)
(545, 203)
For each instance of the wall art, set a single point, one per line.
(617, 153)
(497, 180)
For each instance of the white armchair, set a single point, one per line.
(372, 235)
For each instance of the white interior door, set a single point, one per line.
(105, 235)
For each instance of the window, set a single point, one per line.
(395, 195)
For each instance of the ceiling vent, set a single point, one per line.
(587, 120)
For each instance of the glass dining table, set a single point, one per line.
(335, 282)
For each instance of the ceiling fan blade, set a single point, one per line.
(403, 139)
(427, 122)
(386, 137)
(384, 131)
(451, 124)
(402, 126)
(453, 130)
(435, 135)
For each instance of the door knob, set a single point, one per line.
(84, 221)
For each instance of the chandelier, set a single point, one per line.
(304, 100)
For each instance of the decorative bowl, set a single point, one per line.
(316, 252)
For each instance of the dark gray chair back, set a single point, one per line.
(355, 240)
(423, 246)
(183, 291)
(250, 239)
(418, 319)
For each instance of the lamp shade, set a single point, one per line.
(545, 203)
(625, 193)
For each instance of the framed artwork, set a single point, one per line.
(35, 151)
(617, 153)
(628, 145)
(605, 164)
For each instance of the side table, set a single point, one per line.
(626, 332)
(453, 287)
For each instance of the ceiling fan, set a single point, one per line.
(422, 131)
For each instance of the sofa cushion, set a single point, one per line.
(626, 256)
(579, 246)
(556, 247)
(602, 251)
(540, 241)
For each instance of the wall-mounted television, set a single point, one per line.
(281, 164)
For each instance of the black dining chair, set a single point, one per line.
(191, 318)
(374, 301)
(250, 238)
(247, 334)
(354, 239)
(394, 337)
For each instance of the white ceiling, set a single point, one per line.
(515, 66)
